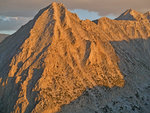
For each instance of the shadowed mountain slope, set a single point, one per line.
(56, 57)
(2, 37)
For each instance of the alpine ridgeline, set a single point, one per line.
(59, 63)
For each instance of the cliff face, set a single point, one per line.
(56, 57)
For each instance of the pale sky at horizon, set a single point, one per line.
(15, 13)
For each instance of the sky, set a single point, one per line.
(15, 13)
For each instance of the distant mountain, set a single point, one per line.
(131, 14)
(2, 37)
(59, 63)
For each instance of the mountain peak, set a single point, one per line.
(131, 14)
(56, 14)
(57, 4)
(130, 10)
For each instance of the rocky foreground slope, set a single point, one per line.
(59, 63)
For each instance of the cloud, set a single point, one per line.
(12, 23)
(107, 7)
(28, 8)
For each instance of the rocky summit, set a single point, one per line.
(57, 63)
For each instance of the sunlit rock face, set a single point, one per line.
(59, 63)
